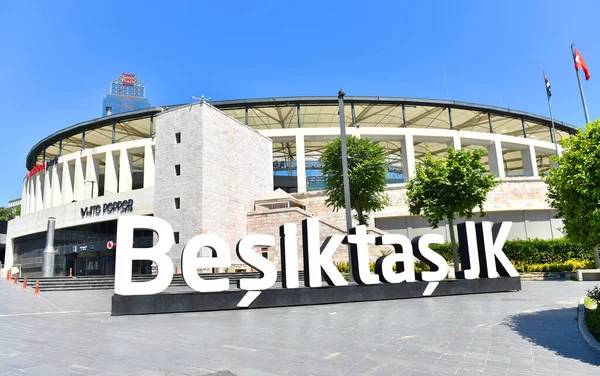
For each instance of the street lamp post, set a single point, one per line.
(347, 204)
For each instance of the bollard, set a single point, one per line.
(70, 272)
(37, 288)
(24, 283)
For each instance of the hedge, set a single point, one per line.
(592, 314)
(533, 251)
(592, 321)
(567, 266)
(344, 266)
(532, 255)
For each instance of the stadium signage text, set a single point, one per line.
(481, 255)
(42, 166)
(125, 206)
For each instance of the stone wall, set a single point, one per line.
(520, 200)
(224, 166)
(268, 223)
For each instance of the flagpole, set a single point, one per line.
(585, 111)
(551, 117)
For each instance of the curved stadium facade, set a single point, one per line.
(215, 168)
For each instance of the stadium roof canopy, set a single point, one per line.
(310, 112)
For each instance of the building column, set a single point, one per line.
(300, 163)
(111, 182)
(495, 159)
(30, 195)
(24, 198)
(408, 157)
(455, 143)
(79, 181)
(125, 171)
(56, 185)
(67, 183)
(39, 200)
(529, 161)
(148, 166)
(91, 177)
(47, 189)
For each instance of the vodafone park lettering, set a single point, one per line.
(481, 257)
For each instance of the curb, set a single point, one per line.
(585, 333)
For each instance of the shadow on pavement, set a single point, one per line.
(556, 330)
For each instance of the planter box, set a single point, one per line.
(588, 275)
(543, 276)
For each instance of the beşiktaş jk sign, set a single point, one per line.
(480, 248)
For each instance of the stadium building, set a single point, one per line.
(247, 166)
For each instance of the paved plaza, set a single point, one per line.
(533, 331)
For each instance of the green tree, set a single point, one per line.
(574, 187)
(449, 188)
(367, 170)
(6, 214)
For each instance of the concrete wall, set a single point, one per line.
(225, 166)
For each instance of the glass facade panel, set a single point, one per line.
(543, 163)
(393, 150)
(435, 148)
(313, 151)
(513, 163)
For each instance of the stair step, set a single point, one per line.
(108, 282)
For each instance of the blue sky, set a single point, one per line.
(58, 58)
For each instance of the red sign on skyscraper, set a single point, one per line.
(128, 79)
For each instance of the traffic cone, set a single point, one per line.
(176, 270)
(37, 288)
(70, 272)
(24, 283)
(15, 281)
(8, 275)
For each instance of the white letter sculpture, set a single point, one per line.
(190, 262)
(126, 254)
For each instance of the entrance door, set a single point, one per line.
(106, 265)
(80, 267)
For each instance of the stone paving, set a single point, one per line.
(520, 333)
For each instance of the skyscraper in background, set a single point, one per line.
(127, 93)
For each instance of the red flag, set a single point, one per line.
(580, 64)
